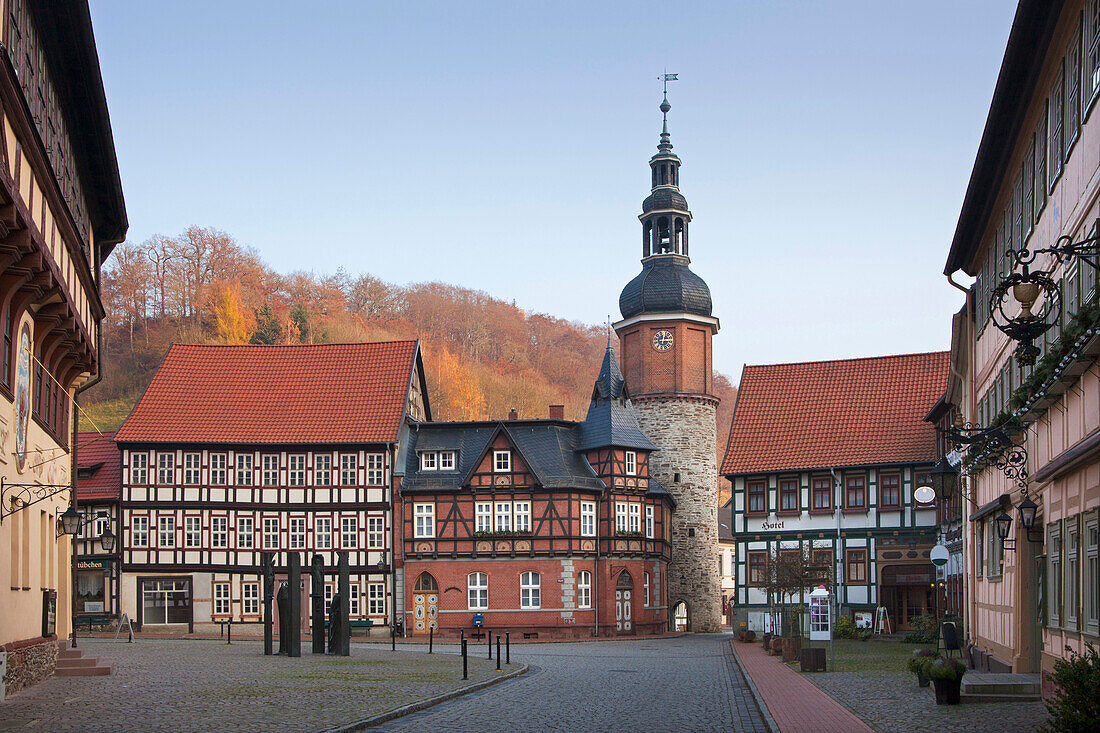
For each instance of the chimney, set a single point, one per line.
(557, 412)
(513, 415)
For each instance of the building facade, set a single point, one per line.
(542, 528)
(1035, 180)
(61, 213)
(824, 458)
(665, 337)
(99, 493)
(234, 452)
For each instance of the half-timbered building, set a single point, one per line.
(98, 491)
(545, 528)
(237, 451)
(824, 457)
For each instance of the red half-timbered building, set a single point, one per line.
(98, 491)
(237, 451)
(544, 528)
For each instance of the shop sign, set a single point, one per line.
(93, 564)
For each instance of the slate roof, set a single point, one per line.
(318, 393)
(664, 198)
(611, 419)
(665, 285)
(98, 451)
(851, 412)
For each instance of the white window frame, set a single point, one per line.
(296, 470)
(272, 539)
(1090, 583)
(477, 591)
(1071, 591)
(376, 469)
(349, 469)
(645, 588)
(530, 590)
(139, 468)
(502, 461)
(222, 596)
(584, 589)
(376, 532)
(218, 462)
(649, 522)
(635, 517)
(269, 471)
(166, 468)
(243, 467)
(349, 532)
(101, 525)
(322, 533)
(219, 532)
(353, 599)
(246, 532)
(620, 516)
(376, 599)
(630, 458)
(588, 519)
(166, 531)
(429, 461)
(521, 511)
(250, 598)
(483, 512)
(139, 531)
(424, 521)
(502, 516)
(322, 469)
(192, 468)
(192, 532)
(447, 460)
(297, 533)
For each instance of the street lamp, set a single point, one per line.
(944, 477)
(1004, 523)
(1027, 511)
(70, 522)
(107, 540)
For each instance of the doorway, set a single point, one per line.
(425, 603)
(624, 604)
(166, 601)
(680, 617)
(907, 592)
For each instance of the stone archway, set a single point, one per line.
(680, 617)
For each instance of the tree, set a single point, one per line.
(267, 329)
(790, 573)
(235, 325)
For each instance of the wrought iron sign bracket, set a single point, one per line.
(15, 497)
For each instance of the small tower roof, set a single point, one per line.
(611, 419)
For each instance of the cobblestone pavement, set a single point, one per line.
(688, 683)
(890, 702)
(190, 685)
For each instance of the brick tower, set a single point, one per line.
(665, 347)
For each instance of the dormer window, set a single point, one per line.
(433, 460)
(631, 463)
(502, 461)
(447, 460)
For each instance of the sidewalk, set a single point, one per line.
(795, 703)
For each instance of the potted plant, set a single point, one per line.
(767, 640)
(946, 676)
(915, 664)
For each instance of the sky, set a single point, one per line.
(504, 146)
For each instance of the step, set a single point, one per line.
(986, 683)
(76, 662)
(989, 697)
(70, 654)
(82, 671)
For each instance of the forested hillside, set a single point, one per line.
(483, 356)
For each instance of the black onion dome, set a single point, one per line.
(664, 198)
(665, 285)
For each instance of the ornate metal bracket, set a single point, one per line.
(1003, 447)
(25, 495)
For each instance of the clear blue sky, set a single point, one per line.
(503, 146)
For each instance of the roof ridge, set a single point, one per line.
(182, 344)
(850, 359)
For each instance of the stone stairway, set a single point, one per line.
(999, 687)
(73, 663)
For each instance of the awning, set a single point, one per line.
(1001, 502)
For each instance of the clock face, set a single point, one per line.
(662, 340)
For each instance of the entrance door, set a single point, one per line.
(425, 604)
(624, 604)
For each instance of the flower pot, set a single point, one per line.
(947, 691)
(767, 641)
(750, 636)
(922, 681)
(791, 648)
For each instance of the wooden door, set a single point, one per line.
(425, 604)
(624, 604)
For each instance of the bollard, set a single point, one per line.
(507, 647)
(489, 643)
(131, 639)
(464, 669)
(498, 652)
(431, 638)
(393, 638)
(462, 634)
(229, 632)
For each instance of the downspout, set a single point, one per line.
(838, 566)
(596, 579)
(969, 396)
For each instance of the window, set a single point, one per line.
(376, 599)
(424, 515)
(322, 469)
(649, 522)
(297, 533)
(1056, 111)
(271, 470)
(6, 377)
(1054, 567)
(219, 532)
(139, 531)
(246, 533)
(244, 469)
(504, 517)
(995, 553)
(166, 468)
(758, 568)
(271, 533)
(250, 599)
(588, 519)
(502, 461)
(322, 533)
(889, 486)
(584, 589)
(1073, 90)
(221, 599)
(478, 585)
(979, 548)
(635, 517)
(522, 510)
(429, 461)
(349, 533)
(349, 468)
(529, 590)
(484, 512)
(191, 463)
(139, 468)
(1041, 165)
(192, 531)
(645, 587)
(353, 599)
(1070, 597)
(375, 533)
(857, 566)
(823, 494)
(788, 495)
(375, 474)
(166, 531)
(102, 523)
(1092, 54)
(620, 516)
(631, 463)
(1091, 589)
(758, 499)
(447, 460)
(823, 558)
(296, 475)
(217, 469)
(855, 495)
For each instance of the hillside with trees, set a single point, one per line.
(483, 356)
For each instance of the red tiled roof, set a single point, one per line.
(825, 414)
(93, 449)
(324, 393)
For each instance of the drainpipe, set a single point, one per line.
(970, 398)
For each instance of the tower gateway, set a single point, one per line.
(665, 348)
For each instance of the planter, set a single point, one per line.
(922, 681)
(947, 691)
(792, 647)
(777, 646)
(767, 641)
(750, 636)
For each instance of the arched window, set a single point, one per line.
(680, 617)
(530, 594)
(663, 243)
(425, 583)
(478, 584)
(584, 589)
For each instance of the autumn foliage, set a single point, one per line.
(483, 356)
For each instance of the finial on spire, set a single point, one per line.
(609, 331)
(666, 143)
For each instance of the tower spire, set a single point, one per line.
(665, 145)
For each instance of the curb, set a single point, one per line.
(768, 719)
(424, 704)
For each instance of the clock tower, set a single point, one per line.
(665, 349)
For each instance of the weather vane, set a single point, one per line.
(666, 78)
